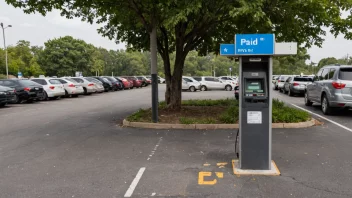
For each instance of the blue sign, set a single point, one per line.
(227, 49)
(254, 44)
(19, 74)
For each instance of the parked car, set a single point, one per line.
(296, 85)
(237, 92)
(193, 84)
(209, 83)
(99, 87)
(145, 81)
(275, 78)
(161, 80)
(7, 95)
(136, 83)
(26, 90)
(106, 83)
(126, 84)
(88, 87)
(115, 83)
(190, 85)
(332, 87)
(228, 79)
(281, 82)
(53, 88)
(72, 88)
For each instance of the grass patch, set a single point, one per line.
(215, 112)
(284, 114)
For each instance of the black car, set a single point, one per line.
(106, 83)
(26, 90)
(120, 81)
(7, 95)
(116, 85)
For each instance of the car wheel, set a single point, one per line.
(280, 90)
(17, 100)
(203, 88)
(2, 104)
(284, 91)
(228, 88)
(192, 89)
(74, 96)
(85, 91)
(307, 102)
(290, 93)
(45, 97)
(325, 107)
(66, 94)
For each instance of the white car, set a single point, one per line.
(98, 85)
(72, 88)
(52, 87)
(88, 87)
(228, 79)
(209, 83)
(188, 83)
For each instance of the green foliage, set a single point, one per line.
(284, 114)
(221, 102)
(230, 116)
(2, 76)
(185, 120)
(137, 116)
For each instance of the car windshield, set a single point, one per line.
(28, 83)
(300, 79)
(345, 74)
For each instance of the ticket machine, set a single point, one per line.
(255, 112)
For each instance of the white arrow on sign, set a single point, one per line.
(225, 49)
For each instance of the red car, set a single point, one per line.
(126, 83)
(136, 83)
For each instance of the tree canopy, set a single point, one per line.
(200, 25)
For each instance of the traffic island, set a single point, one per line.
(214, 114)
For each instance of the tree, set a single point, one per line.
(327, 61)
(200, 24)
(65, 55)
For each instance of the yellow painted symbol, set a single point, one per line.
(219, 174)
(206, 164)
(221, 164)
(202, 175)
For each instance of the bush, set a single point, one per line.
(2, 76)
(284, 114)
(222, 102)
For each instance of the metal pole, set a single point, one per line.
(154, 74)
(5, 48)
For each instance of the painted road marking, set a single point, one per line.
(134, 183)
(202, 175)
(155, 148)
(337, 124)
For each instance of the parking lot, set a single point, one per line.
(75, 147)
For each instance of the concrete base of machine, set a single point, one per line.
(274, 171)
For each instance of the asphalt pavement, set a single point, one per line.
(76, 148)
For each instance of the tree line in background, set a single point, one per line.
(66, 55)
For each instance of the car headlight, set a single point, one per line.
(2, 93)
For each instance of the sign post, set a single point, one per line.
(255, 53)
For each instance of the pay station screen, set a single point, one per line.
(254, 86)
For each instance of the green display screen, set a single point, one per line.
(255, 86)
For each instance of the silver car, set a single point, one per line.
(189, 85)
(332, 87)
(191, 81)
(209, 82)
(296, 85)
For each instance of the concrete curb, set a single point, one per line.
(148, 125)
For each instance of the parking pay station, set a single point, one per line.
(255, 52)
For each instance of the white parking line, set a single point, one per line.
(337, 124)
(134, 183)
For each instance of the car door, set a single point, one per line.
(287, 84)
(184, 84)
(324, 77)
(312, 89)
(219, 84)
(209, 82)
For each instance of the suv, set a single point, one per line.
(332, 87)
(296, 85)
(188, 83)
(210, 82)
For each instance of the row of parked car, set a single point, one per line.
(21, 90)
(331, 87)
(204, 83)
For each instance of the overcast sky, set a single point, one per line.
(38, 29)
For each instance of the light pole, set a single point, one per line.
(3, 34)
